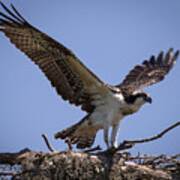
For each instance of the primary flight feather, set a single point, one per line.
(105, 105)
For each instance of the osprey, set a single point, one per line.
(105, 104)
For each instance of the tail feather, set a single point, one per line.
(65, 133)
(85, 142)
(69, 131)
(83, 134)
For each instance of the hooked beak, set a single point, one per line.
(148, 99)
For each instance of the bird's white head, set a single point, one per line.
(137, 99)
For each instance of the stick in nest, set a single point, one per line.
(47, 143)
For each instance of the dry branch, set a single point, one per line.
(129, 144)
(154, 137)
(47, 143)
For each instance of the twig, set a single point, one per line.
(168, 159)
(154, 137)
(160, 162)
(47, 143)
(111, 151)
(69, 144)
(155, 159)
(9, 173)
(97, 148)
(124, 146)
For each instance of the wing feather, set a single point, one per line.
(149, 72)
(72, 80)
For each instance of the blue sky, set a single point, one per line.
(110, 37)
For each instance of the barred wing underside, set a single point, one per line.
(72, 80)
(149, 72)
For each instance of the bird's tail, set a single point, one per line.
(82, 133)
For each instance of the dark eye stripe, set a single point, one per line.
(131, 99)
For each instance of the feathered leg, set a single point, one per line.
(114, 135)
(106, 133)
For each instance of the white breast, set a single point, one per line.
(108, 110)
(117, 102)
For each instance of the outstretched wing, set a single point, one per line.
(72, 80)
(149, 72)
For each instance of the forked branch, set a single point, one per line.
(129, 144)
